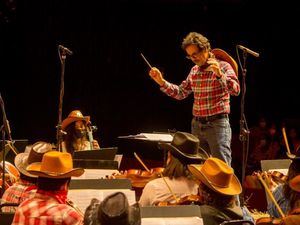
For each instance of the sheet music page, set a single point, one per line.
(283, 171)
(82, 198)
(158, 137)
(95, 174)
(172, 221)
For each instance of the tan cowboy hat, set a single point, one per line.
(75, 115)
(295, 183)
(217, 175)
(33, 154)
(55, 165)
(185, 146)
(224, 56)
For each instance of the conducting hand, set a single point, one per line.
(157, 76)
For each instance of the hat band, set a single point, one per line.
(217, 185)
(53, 173)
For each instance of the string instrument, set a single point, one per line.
(11, 174)
(74, 206)
(139, 178)
(269, 220)
(187, 200)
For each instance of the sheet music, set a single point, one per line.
(158, 137)
(283, 171)
(82, 198)
(172, 221)
(95, 174)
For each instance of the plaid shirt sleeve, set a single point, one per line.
(283, 202)
(230, 79)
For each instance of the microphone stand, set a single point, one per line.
(59, 132)
(244, 131)
(5, 130)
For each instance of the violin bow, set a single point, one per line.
(270, 195)
(286, 140)
(146, 168)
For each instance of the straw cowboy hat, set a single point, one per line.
(55, 165)
(224, 56)
(33, 154)
(185, 147)
(74, 116)
(217, 175)
(113, 210)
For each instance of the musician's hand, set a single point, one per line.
(96, 144)
(214, 66)
(269, 181)
(157, 76)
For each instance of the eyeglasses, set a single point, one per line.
(194, 55)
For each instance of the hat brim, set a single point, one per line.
(295, 183)
(224, 56)
(21, 162)
(66, 122)
(234, 187)
(198, 158)
(35, 169)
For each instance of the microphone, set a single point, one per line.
(64, 49)
(255, 54)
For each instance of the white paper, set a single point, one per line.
(158, 137)
(82, 197)
(283, 171)
(95, 174)
(172, 221)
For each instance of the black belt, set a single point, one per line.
(206, 119)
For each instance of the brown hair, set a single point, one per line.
(176, 168)
(194, 38)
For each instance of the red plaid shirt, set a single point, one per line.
(43, 209)
(211, 95)
(17, 193)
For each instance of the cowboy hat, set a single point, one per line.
(32, 154)
(217, 175)
(113, 210)
(295, 183)
(74, 116)
(224, 56)
(55, 165)
(184, 146)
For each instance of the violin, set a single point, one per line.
(187, 200)
(268, 221)
(11, 174)
(139, 178)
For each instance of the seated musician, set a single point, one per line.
(218, 188)
(76, 138)
(283, 194)
(293, 216)
(25, 187)
(113, 210)
(49, 205)
(183, 150)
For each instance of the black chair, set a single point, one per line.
(237, 222)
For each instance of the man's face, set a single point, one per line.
(199, 57)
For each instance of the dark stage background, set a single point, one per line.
(106, 77)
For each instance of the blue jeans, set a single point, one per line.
(215, 137)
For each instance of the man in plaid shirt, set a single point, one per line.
(212, 79)
(25, 187)
(50, 205)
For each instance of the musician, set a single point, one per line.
(293, 216)
(177, 180)
(283, 194)
(211, 80)
(49, 205)
(25, 187)
(219, 187)
(77, 129)
(113, 210)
